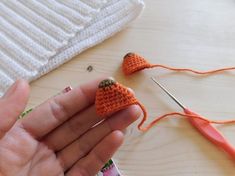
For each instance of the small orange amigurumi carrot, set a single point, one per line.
(112, 97)
(133, 62)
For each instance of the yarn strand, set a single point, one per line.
(191, 70)
(154, 122)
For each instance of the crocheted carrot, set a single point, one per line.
(112, 97)
(133, 62)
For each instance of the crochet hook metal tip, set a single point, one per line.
(168, 93)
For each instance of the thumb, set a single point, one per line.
(12, 105)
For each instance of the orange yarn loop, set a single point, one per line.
(133, 62)
(112, 97)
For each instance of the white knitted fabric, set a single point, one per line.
(39, 35)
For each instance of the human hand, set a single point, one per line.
(62, 136)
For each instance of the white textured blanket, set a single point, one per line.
(37, 36)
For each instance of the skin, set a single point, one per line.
(62, 136)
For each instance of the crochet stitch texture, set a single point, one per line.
(38, 36)
(133, 62)
(112, 97)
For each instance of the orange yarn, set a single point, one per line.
(133, 63)
(112, 97)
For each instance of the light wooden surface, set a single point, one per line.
(199, 34)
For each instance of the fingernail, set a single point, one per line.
(11, 89)
(124, 131)
(111, 78)
(131, 90)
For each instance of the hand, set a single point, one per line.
(62, 136)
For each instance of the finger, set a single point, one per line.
(73, 129)
(79, 148)
(96, 159)
(131, 90)
(58, 109)
(12, 105)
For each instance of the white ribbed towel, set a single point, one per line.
(39, 35)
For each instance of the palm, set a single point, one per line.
(60, 137)
(30, 157)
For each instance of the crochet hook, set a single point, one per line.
(203, 126)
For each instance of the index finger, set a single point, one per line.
(59, 109)
(12, 104)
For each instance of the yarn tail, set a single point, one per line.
(193, 71)
(175, 114)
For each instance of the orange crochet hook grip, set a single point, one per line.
(211, 133)
(203, 125)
